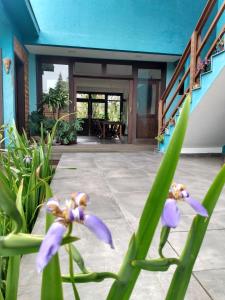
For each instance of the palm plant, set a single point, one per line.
(57, 98)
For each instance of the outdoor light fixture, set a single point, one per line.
(7, 63)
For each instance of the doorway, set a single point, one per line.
(102, 104)
(94, 107)
(19, 94)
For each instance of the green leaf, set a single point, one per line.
(160, 264)
(194, 241)
(165, 231)
(8, 205)
(90, 277)
(77, 257)
(22, 243)
(19, 205)
(51, 289)
(12, 278)
(122, 288)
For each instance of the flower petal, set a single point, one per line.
(171, 214)
(200, 210)
(53, 206)
(77, 215)
(95, 225)
(50, 245)
(81, 199)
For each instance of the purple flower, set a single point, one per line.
(73, 211)
(171, 213)
(50, 244)
(95, 225)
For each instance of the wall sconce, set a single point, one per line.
(7, 63)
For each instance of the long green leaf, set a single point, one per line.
(77, 257)
(122, 288)
(89, 277)
(8, 205)
(21, 243)
(51, 289)
(12, 278)
(194, 241)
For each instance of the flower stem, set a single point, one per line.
(75, 291)
(194, 241)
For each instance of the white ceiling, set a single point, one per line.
(101, 54)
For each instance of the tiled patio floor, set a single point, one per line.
(118, 184)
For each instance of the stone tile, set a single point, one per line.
(118, 185)
(213, 281)
(124, 172)
(128, 184)
(211, 253)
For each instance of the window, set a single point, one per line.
(82, 110)
(114, 107)
(88, 68)
(123, 70)
(98, 110)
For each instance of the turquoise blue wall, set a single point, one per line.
(6, 43)
(144, 25)
(32, 83)
(221, 22)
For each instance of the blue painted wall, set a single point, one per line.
(144, 25)
(32, 83)
(6, 43)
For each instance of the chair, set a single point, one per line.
(99, 129)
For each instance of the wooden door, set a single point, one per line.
(147, 108)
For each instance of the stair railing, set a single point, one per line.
(187, 73)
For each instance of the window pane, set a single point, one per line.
(113, 97)
(98, 96)
(119, 70)
(114, 110)
(82, 96)
(98, 110)
(82, 110)
(88, 68)
(149, 74)
(146, 99)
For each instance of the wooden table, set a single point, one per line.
(106, 124)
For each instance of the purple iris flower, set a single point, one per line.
(50, 244)
(67, 215)
(95, 225)
(171, 213)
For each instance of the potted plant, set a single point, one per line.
(67, 131)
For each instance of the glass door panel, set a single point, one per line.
(147, 102)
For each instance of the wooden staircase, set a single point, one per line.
(201, 61)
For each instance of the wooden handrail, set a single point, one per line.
(177, 71)
(216, 19)
(193, 50)
(175, 110)
(205, 14)
(176, 91)
(212, 48)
